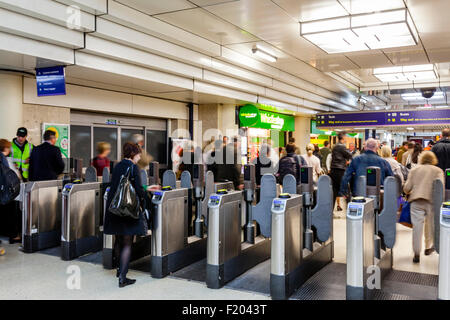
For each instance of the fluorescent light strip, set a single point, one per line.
(406, 73)
(418, 96)
(378, 30)
(264, 54)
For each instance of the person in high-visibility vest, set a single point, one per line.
(21, 151)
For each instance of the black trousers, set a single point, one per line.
(11, 219)
(336, 176)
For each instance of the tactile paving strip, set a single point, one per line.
(413, 278)
(193, 272)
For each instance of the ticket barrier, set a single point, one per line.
(229, 251)
(172, 247)
(302, 233)
(370, 235)
(441, 202)
(41, 215)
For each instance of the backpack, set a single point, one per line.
(288, 165)
(405, 172)
(9, 185)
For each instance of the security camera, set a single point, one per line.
(428, 93)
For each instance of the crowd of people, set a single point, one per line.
(415, 167)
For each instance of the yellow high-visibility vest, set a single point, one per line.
(20, 157)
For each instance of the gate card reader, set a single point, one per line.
(81, 216)
(172, 248)
(444, 253)
(287, 238)
(198, 182)
(41, 215)
(249, 197)
(307, 187)
(227, 256)
(360, 246)
(447, 185)
(373, 185)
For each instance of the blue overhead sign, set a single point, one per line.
(50, 81)
(384, 118)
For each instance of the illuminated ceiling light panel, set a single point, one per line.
(385, 29)
(418, 96)
(264, 54)
(406, 73)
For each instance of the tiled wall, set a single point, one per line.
(35, 115)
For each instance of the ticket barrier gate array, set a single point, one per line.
(302, 234)
(41, 215)
(229, 251)
(172, 246)
(371, 234)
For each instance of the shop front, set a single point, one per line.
(262, 126)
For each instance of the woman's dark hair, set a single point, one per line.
(4, 144)
(130, 150)
(415, 155)
(290, 148)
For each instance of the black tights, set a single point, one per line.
(122, 251)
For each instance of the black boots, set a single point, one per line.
(416, 259)
(126, 282)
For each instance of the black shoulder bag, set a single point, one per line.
(125, 202)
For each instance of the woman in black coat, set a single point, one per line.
(125, 228)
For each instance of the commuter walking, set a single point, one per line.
(317, 152)
(125, 228)
(359, 165)
(413, 158)
(263, 163)
(418, 188)
(146, 158)
(401, 151)
(297, 149)
(324, 152)
(386, 154)
(408, 152)
(101, 161)
(289, 164)
(442, 150)
(21, 152)
(352, 148)
(312, 161)
(46, 162)
(10, 213)
(340, 157)
(230, 169)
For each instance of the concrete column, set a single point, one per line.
(302, 133)
(11, 108)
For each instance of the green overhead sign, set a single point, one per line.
(251, 116)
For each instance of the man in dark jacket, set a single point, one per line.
(324, 152)
(359, 165)
(46, 162)
(290, 164)
(230, 168)
(442, 150)
(339, 159)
